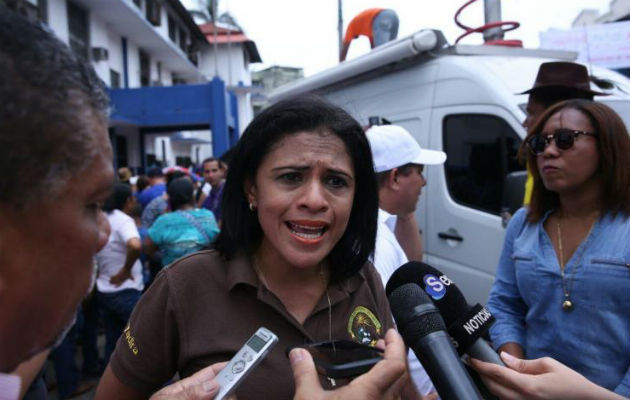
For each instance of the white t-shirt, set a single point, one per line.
(206, 188)
(388, 257)
(112, 257)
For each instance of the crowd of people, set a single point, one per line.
(154, 220)
(299, 232)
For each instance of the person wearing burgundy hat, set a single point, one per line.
(556, 81)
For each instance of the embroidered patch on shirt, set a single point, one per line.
(364, 327)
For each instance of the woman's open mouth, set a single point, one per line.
(307, 230)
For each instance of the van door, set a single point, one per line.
(465, 234)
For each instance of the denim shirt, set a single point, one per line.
(527, 295)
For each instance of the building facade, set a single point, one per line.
(136, 44)
(270, 78)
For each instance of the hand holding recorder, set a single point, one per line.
(200, 386)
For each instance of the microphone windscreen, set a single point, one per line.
(414, 312)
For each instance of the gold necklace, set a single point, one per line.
(567, 304)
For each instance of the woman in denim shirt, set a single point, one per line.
(563, 282)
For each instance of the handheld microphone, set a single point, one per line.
(465, 324)
(422, 328)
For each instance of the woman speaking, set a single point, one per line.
(299, 222)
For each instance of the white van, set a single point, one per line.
(460, 99)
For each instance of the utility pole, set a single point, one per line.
(492, 13)
(339, 25)
(214, 9)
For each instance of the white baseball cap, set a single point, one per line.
(392, 146)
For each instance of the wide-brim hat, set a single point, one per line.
(392, 146)
(562, 74)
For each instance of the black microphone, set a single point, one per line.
(422, 328)
(465, 324)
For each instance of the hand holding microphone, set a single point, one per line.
(543, 379)
(421, 326)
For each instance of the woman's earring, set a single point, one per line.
(251, 207)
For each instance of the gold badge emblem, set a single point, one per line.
(364, 327)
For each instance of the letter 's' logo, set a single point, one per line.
(434, 286)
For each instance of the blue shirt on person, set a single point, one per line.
(176, 236)
(151, 193)
(527, 295)
(213, 201)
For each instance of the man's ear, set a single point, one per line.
(392, 179)
(250, 192)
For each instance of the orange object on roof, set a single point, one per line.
(362, 25)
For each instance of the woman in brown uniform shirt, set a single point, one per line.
(299, 222)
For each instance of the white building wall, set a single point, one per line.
(163, 28)
(155, 71)
(167, 76)
(58, 19)
(245, 111)
(153, 145)
(101, 35)
(133, 64)
(231, 67)
(99, 38)
(115, 62)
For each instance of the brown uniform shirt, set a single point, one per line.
(203, 309)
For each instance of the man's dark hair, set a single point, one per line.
(180, 192)
(405, 170)
(220, 162)
(171, 176)
(142, 183)
(155, 172)
(613, 144)
(241, 230)
(117, 199)
(50, 102)
(550, 95)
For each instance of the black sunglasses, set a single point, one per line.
(564, 139)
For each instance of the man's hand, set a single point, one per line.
(384, 381)
(120, 277)
(543, 378)
(201, 385)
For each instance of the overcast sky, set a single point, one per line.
(303, 33)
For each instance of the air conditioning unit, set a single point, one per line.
(100, 54)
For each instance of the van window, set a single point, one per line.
(481, 150)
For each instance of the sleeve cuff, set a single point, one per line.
(499, 341)
(623, 389)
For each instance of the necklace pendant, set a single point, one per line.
(567, 305)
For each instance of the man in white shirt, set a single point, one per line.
(399, 162)
(119, 284)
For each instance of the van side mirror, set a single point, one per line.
(513, 191)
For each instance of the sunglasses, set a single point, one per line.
(564, 139)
